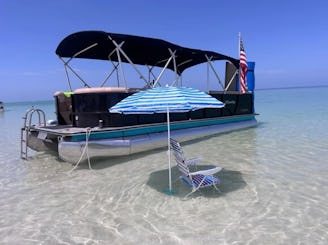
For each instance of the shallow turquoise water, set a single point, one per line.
(274, 185)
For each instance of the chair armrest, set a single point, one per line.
(193, 161)
(210, 171)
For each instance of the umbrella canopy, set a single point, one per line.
(159, 99)
(166, 100)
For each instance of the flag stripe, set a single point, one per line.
(243, 68)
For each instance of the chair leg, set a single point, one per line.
(217, 188)
(189, 194)
(195, 188)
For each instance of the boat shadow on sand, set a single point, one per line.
(230, 181)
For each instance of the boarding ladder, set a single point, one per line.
(27, 127)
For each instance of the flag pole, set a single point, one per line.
(239, 38)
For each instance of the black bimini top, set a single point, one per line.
(140, 50)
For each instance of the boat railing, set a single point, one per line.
(28, 120)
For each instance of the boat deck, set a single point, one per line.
(78, 133)
(67, 130)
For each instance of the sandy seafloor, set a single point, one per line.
(274, 186)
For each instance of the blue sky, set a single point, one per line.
(287, 39)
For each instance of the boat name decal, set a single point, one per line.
(230, 102)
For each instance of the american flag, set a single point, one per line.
(243, 68)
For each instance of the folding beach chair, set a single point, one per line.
(197, 179)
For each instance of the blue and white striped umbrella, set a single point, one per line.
(166, 100)
(159, 99)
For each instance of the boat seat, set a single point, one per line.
(64, 107)
(101, 90)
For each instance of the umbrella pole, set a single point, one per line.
(168, 146)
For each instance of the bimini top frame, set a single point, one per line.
(136, 50)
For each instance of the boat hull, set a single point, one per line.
(72, 152)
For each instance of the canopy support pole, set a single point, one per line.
(120, 61)
(110, 74)
(175, 66)
(74, 56)
(119, 49)
(74, 72)
(232, 78)
(68, 80)
(162, 71)
(82, 51)
(115, 67)
(214, 71)
(150, 73)
(208, 76)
